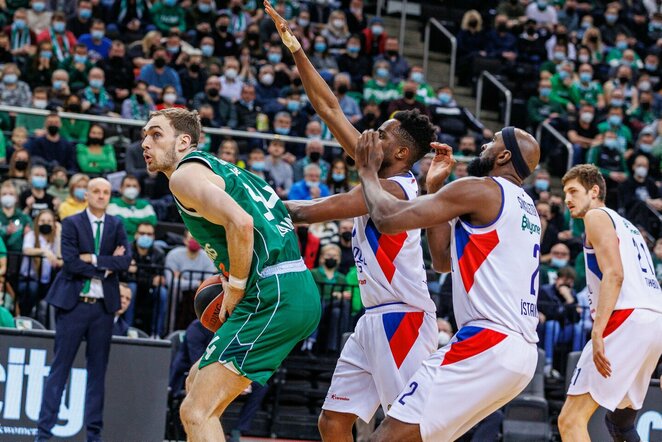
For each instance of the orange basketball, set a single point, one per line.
(207, 302)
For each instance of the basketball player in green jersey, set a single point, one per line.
(271, 301)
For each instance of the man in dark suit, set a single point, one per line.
(86, 296)
(120, 326)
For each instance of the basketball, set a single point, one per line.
(207, 302)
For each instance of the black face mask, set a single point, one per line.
(159, 62)
(392, 53)
(330, 263)
(140, 99)
(350, 161)
(531, 31)
(205, 122)
(409, 95)
(342, 89)
(473, 23)
(253, 36)
(195, 68)
(53, 130)
(501, 27)
(74, 107)
(94, 141)
(623, 80)
(346, 236)
(297, 82)
(21, 165)
(222, 28)
(116, 60)
(315, 156)
(45, 229)
(213, 92)
(468, 152)
(645, 106)
(593, 39)
(369, 116)
(480, 167)
(236, 9)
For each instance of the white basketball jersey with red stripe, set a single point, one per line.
(495, 267)
(390, 268)
(640, 288)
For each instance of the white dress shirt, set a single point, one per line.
(96, 289)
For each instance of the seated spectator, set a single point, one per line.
(170, 99)
(337, 179)
(96, 41)
(374, 37)
(612, 25)
(96, 99)
(257, 166)
(38, 18)
(583, 133)
(314, 152)
(41, 257)
(74, 130)
(585, 90)
(349, 106)
(52, 149)
(311, 186)
(562, 83)
(355, 63)
(614, 56)
(14, 92)
(146, 279)
(95, 156)
(229, 151)
(639, 190)
(168, 14)
(615, 123)
(78, 66)
(13, 222)
(34, 122)
(192, 76)
(549, 233)
(132, 17)
(543, 13)
(608, 157)
(643, 114)
(279, 169)
(408, 101)
(265, 90)
(622, 82)
(471, 43)
(76, 201)
(380, 88)
(19, 137)
(282, 124)
(501, 44)
(224, 111)
(539, 189)
(541, 108)
(559, 55)
(322, 59)
(467, 147)
(398, 66)
(335, 33)
(131, 209)
(41, 66)
(81, 22)
(560, 37)
(453, 119)
(139, 104)
(157, 75)
(21, 35)
(58, 188)
(62, 39)
(558, 257)
(247, 109)
(371, 119)
(570, 16)
(18, 169)
(224, 42)
(120, 326)
(119, 71)
(35, 199)
(424, 92)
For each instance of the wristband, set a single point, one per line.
(237, 283)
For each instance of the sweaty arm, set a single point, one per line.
(198, 188)
(601, 235)
(340, 206)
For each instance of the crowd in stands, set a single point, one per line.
(591, 69)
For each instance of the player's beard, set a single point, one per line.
(481, 166)
(167, 161)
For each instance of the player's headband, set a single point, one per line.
(509, 139)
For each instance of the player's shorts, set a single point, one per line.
(282, 309)
(633, 345)
(388, 345)
(478, 372)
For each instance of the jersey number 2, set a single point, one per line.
(536, 252)
(268, 204)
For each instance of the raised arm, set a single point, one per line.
(340, 206)
(320, 95)
(198, 188)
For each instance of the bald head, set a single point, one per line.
(529, 147)
(98, 195)
(497, 160)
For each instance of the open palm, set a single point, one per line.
(282, 27)
(441, 166)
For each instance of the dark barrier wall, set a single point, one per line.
(136, 388)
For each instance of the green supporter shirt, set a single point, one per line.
(14, 241)
(560, 92)
(373, 91)
(593, 157)
(6, 318)
(623, 132)
(3, 147)
(75, 130)
(141, 211)
(538, 110)
(352, 279)
(327, 286)
(93, 162)
(586, 93)
(424, 94)
(274, 238)
(167, 17)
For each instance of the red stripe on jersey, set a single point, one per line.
(389, 247)
(474, 255)
(405, 336)
(472, 346)
(617, 318)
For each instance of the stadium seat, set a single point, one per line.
(571, 363)
(137, 333)
(176, 338)
(25, 323)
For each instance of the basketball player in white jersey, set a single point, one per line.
(399, 328)
(616, 365)
(486, 230)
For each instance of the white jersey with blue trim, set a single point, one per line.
(640, 287)
(390, 268)
(495, 267)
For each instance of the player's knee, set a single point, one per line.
(330, 424)
(191, 414)
(567, 421)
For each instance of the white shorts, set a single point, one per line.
(478, 372)
(633, 345)
(387, 347)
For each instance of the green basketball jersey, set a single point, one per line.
(273, 232)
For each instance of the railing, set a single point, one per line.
(426, 50)
(403, 27)
(141, 123)
(559, 137)
(495, 81)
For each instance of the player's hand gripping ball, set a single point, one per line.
(207, 302)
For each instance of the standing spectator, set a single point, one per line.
(62, 40)
(13, 222)
(279, 169)
(374, 37)
(314, 151)
(96, 99)
(35, 199)
(398, 66)
(130, 208)
(167, 14)
(14, 92)
(157, 75)
(139, 104)
(52, 149)
(225, 113)
(311, 186)
(355, 63)
(76, 201)
(98, 45)
(86, 296)
(95, 156)
(337, 180)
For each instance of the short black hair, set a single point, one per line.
(416, 129)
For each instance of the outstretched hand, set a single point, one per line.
(369, 154)
(283, 28)
(441, 166)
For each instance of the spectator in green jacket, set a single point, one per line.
(380, 88)
(615, 123)
(78, 67)
(96, 157)
(13, 221)
(561, 86)
(587, 91)
(541, 108)
(74, 130)
(130, 208)
(167, 14)
(34, 122)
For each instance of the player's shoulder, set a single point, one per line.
(599, 217)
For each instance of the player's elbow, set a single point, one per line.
(242, 225)
(385, 225)
(615, 276)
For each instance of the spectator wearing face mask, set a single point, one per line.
(13, 221)
(231, 82)
(18, 169)
(169, 99)
(14, 92)
(76, 201)
(95, 98)
(559, 55)
(501, 44)
(139, 104)
(612, 25)
(398, 66)
(424, 92)
(96, 156)
(585, 90)
(52, 149)
(80, 23)
(62, 39)
(224, 42)
(314, 151)
(130, 208)
(539, 189)
(72, 130)
(168, 14)
(78, 66)
(265, 91)
(58, 188)
(345, 228)
(96, 41)
(610, 159)
(472, 43)
(583, 133)
(225, 113)
(311, 186)
(280, 170)
(322, 59)
(380, 88)
(559, 257)
(34, 123)
(540, 108)
(38, 17)
(355, 63)
(408, 101)
(257, 165)
(638, 190)
(158, 75)
(542, 12)
(643, 114)
(374, 37)
(561, 86)
(615, 123)
(337, 180)
(453, 119)
(35, 199)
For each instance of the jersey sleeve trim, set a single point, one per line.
(503, 200)
(609, 215)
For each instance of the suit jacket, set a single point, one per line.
(78, 238)
(120, 327)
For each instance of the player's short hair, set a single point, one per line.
(183, 121)
(417, 131)
(588, 176)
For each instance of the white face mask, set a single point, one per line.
(443, 338)
(641, 171)
(8, 201)
(231, 74)
(169, 98)
(40, 104)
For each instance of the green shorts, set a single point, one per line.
(273, 317)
